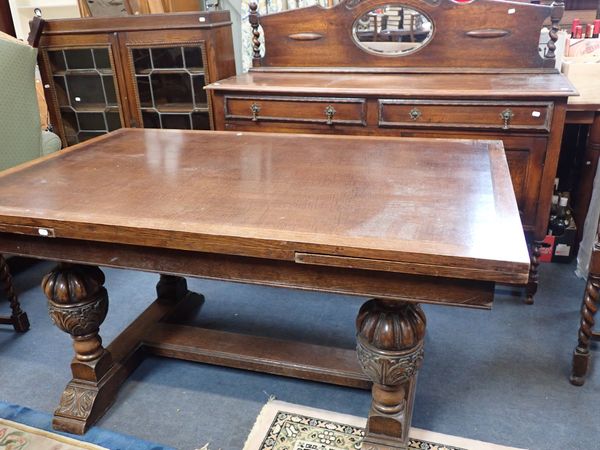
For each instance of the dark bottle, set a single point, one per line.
(554, 207)
(558, 222)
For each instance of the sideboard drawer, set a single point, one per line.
(321, 110)
(465, 114)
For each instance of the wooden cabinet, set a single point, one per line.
(101, 74)
(481, 77)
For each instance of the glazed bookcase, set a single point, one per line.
(101, 74)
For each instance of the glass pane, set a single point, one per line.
(144, 91)
(70, 126)
(61, 90)
(85, 89)
(200, 121)
(199, 92)
(113, 121)
(151, 119)
(57, 61)
(167, 58)
(79, 59)
(91, 121)
(85, 135)
(171, 88)
(109, 88)
(179, 121)
(193, 58)
(170, 82)
(101, 58)
(141, 59)
(392, 30)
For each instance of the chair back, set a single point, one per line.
(20, 129)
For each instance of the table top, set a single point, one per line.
(405, 85)
(443, 206)
(586, 78)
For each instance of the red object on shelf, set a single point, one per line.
(578, 29)
(576, 23)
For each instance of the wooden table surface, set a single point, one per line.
(442, 207)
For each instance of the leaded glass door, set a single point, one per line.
(83, 82)
(169, 85)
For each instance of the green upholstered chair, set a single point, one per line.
(21, 136)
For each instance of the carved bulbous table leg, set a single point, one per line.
(18, 318)
(581, 355)
(390, 350)
(78, 304)
(532, 284)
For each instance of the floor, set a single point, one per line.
(499, 376)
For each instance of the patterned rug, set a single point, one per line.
(16, 436)
(285, 426)
(22, 428)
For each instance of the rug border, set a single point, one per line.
(272, 407)
(50, 435)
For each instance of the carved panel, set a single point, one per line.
(76, 401)
(82, 318)
(389, 368)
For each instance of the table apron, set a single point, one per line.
(269, 272)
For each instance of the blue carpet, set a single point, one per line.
(95, 435)
(499, 376)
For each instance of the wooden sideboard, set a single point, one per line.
(477, 75)
(104, 73)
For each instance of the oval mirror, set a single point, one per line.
(392, 30)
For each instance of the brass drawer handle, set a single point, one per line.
(414, 114)
(506, 115)
(255, 110)
(329, 113)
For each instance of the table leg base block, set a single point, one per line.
(581, 363)
(376, 442)
(81, 405)
(92, 371)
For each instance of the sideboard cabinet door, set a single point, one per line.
(525, 156)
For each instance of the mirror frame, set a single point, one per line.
(361, 45)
